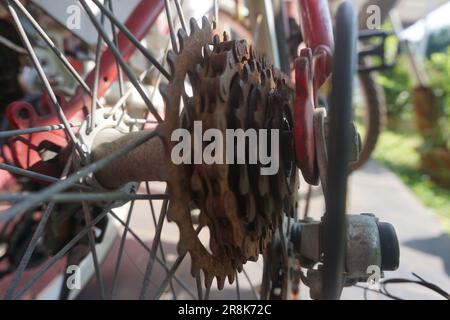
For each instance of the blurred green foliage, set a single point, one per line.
(397, 84)
(398, 152)
(397, 87)
(438, 70)
(400, 144)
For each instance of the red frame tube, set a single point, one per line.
(316, 24)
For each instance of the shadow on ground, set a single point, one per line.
(437, 246)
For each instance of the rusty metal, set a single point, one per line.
(130, 168)
(233, 88)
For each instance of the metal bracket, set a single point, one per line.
(378, 50)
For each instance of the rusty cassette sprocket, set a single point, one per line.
(232, 88)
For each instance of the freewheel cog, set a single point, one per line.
(232, 88)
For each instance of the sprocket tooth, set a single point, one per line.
(252, 65)
(182, 36)
(241, 117)
(246, 71)
(258, 66)
(231, 278)
(205, 67)
(195, 269)
(244, 186)
(269, 73)
(194, 26)
(194, 79)
(196, 182)
(208, 279)
(164, 91)
(263, 185)
(216, 41)
(199, 67)
(171, 61)
(225, 36)
(181, 248)
(205, 23)
(251, 207)
(171, 215)
(220, 282)
(266, 203)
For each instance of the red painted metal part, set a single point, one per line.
(22, 115)
(312, 69)
(303, 126)
(315, 23)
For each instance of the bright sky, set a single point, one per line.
(435, 20)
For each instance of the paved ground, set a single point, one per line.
(425, 247)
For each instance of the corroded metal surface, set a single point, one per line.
(232, 88)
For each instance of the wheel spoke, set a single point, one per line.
(207, 292)
(35, 199)
(154, 249)
(130, 37)
(125, 96)
(216, 11)
(98, 51)
(27, 256)
(173, 37)
(52, 46)
(169, 276)
(32, 175)
(307, 202)
(33, 242)
(172, 271)
(125, 67)
(43, 78)
(91, 238)
(238, 290)
(121, 248)
(257, 29)
(198, 281)
(116, 43)
(19, 132)
(252, 286)
(11, 45)
(181, 15)
(122, 100)
(166, 268)
(265, 277)
(59, 255)
(132, 121)
(161, 248)
(73, 197)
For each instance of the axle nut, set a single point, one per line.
(390, 250)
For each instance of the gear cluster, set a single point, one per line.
(232, 88)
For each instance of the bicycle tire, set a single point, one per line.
(375, 113)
